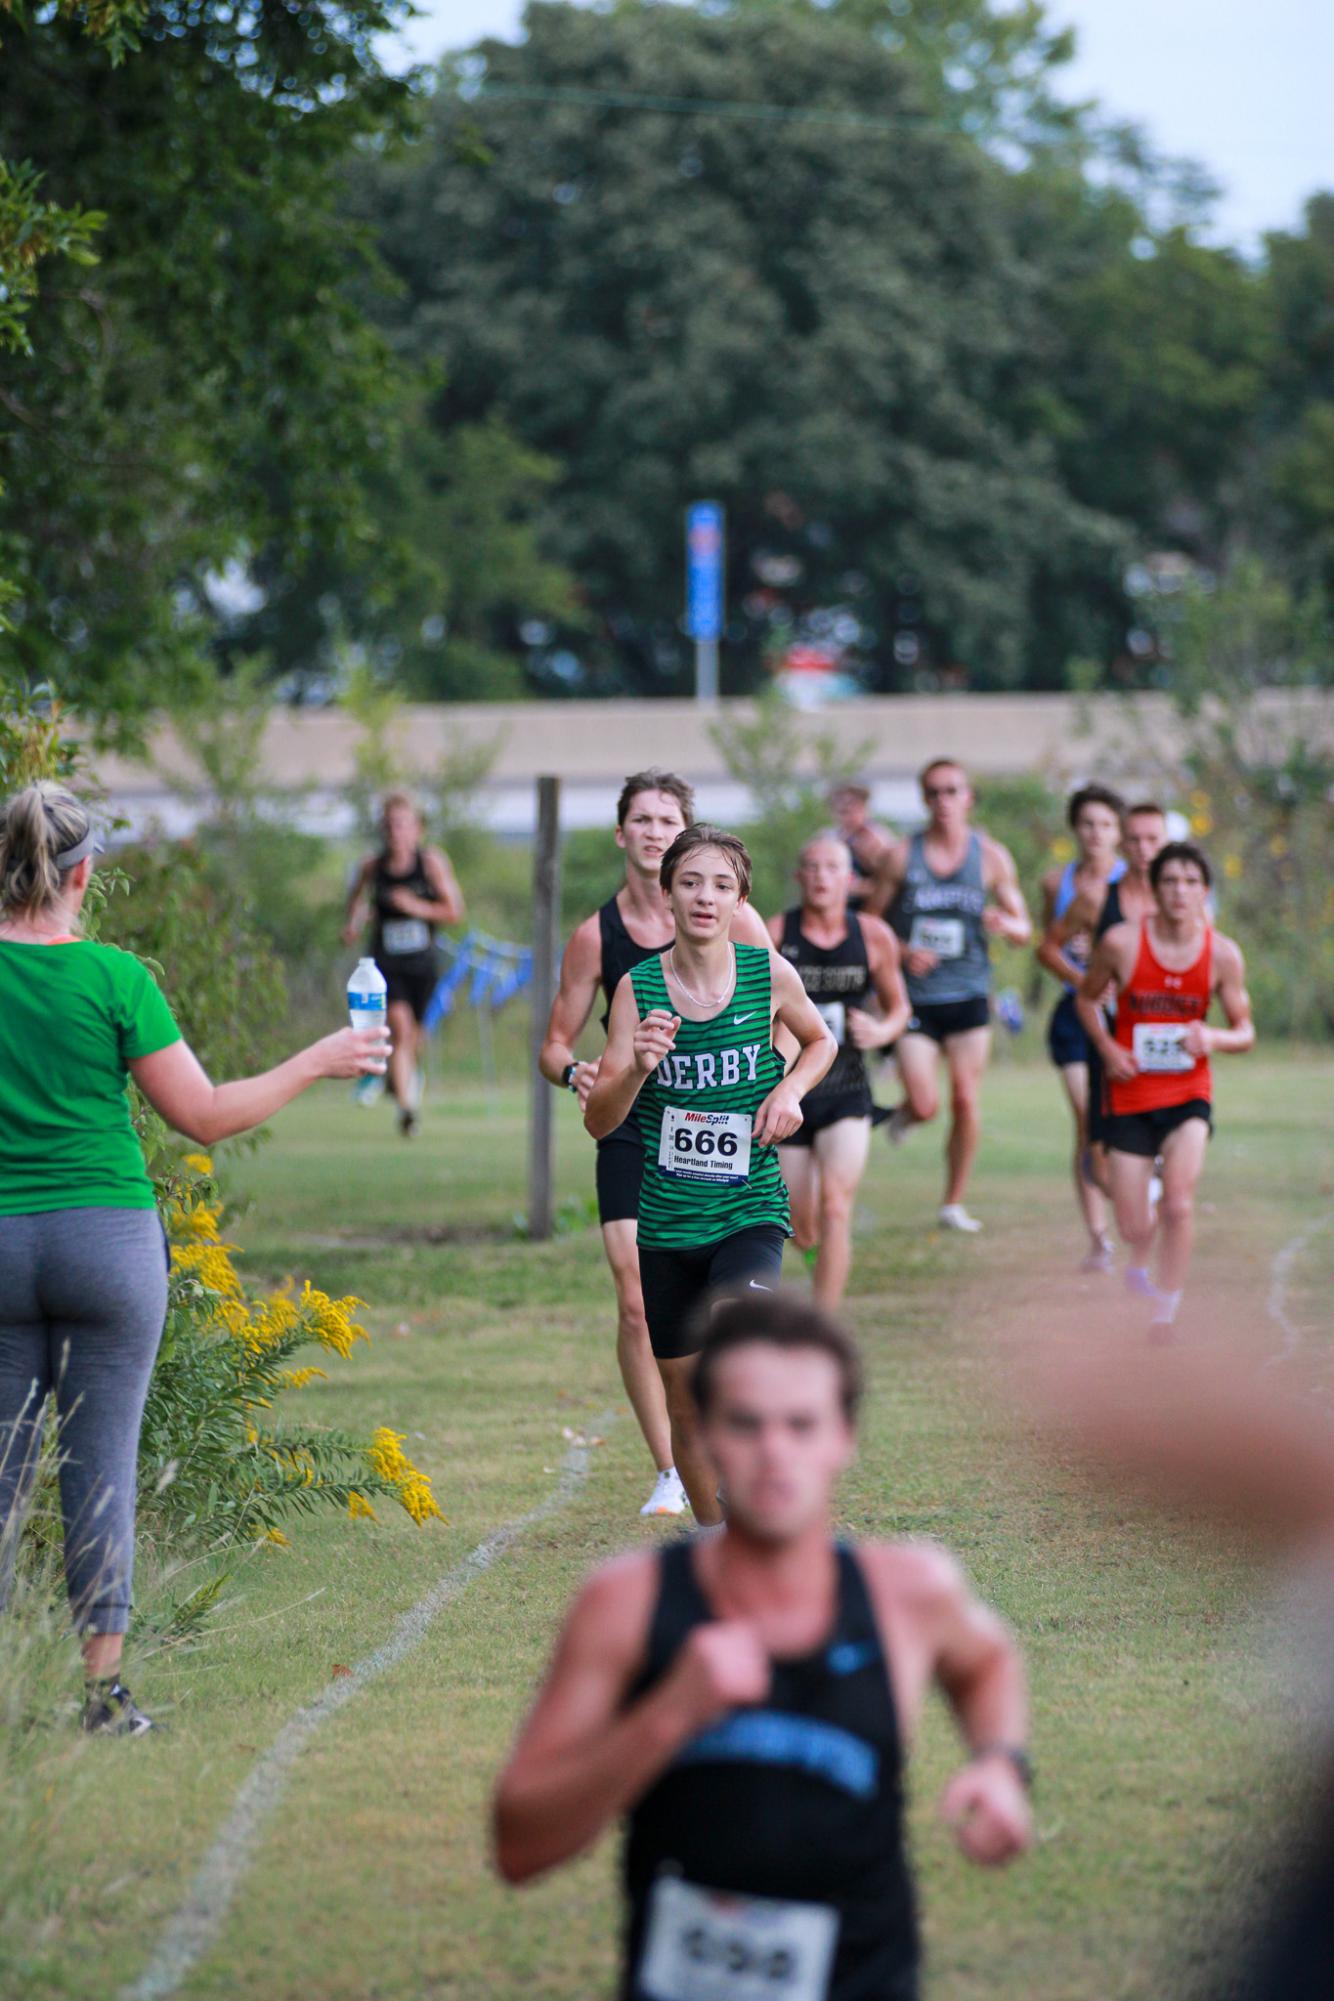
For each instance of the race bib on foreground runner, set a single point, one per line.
(834, 1015)
(712, 1147)
(1161, 1049)
(941, 935)
(702, 1945)
(403, 935)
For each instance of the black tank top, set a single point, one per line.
(406, 943)
(619, 953)
(836, 977)
(799, 1800)
(1111, 910)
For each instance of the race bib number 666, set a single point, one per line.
(712, 1147)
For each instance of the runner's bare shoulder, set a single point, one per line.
(914, 1573)
(583, 953)
(875, 931)
(616, 1602)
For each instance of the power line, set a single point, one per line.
(709, 107)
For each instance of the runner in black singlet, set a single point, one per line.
(1129, 900)
(747, 1701)
(1094, 816)
(848, 964)
(405, 890)
(633, 925)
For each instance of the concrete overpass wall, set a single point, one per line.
(307, 756)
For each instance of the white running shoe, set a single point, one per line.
(368, 1090)
(668, 1496)
(954, 1216)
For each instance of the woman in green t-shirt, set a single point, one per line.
(83, 1261)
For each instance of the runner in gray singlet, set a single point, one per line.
(947, 892)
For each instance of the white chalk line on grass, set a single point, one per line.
(188, 1935)
(1280, 1277)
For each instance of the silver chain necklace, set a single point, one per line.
(712, 1000)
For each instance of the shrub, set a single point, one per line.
(216, 1461)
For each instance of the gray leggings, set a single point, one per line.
(83, 1296)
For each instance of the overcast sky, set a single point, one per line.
(1243, 88)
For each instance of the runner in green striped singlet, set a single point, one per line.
(690, 1052)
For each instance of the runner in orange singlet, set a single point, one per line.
(1159, 1086)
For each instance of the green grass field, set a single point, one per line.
(370, 1881)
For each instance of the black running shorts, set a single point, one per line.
(1097, 1097)
(415, 988)
(818, 1113)
(677, 1282)
(942, 1019)
(620, 1169)
(1143, 1133)
(1066, 1041)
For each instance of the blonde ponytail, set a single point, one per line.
(36, 825)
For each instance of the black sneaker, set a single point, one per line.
(407, 1124)
(111, 1711)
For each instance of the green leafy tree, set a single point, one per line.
(820, 297)
(435, 600)
(208, 387)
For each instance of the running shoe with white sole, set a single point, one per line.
(111, 1711)
(953, 1216)
(668, 1496)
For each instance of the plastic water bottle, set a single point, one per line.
(366, 992)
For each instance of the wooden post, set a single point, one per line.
(546, 947)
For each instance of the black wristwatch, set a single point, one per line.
(1017, 1757)
(567, 1077)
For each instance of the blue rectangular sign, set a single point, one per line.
(704, 570)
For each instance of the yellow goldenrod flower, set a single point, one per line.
(1062, 848)
(277, 1537)
(1201, 823)
(385, 1455)
(1199, 800)
(1232, 867)
(330, 1320)
(296, 1379)
(359, 1508)
(211, 1264)
(198, 1163)
(416, 1497)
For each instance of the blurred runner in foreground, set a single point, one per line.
(747, 1699)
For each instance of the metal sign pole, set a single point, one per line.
(546, 944)
(704, 592)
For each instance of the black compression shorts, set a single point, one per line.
(677, 1282)
(818, 1113)
(1066, 1040)
(1143, 1133)
(415, 988)
(942, 1019)
(620, 1169)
